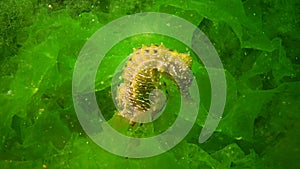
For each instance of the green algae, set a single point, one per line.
(257, 42)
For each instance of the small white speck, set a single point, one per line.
(50, 6)
(9, 92)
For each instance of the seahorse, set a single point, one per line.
(139, 93)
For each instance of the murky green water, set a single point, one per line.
(257, 41)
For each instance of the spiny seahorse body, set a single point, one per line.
(142, 74)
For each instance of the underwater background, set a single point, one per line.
(257, 41)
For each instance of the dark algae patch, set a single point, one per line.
(258, 44)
